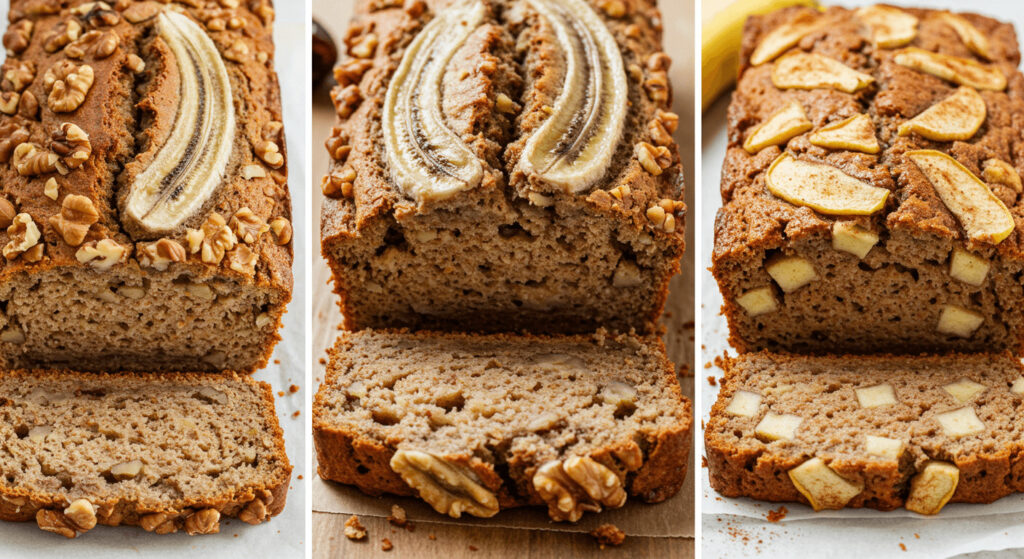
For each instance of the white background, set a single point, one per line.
(284, 536)
(738, 527)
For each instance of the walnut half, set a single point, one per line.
(577, 485)
(449, 488)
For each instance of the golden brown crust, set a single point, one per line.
(350, 458)
(19, 505)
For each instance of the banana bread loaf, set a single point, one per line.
(871, 190)
(166, 452)
(869, 431)
(477, 423)
(502, 165)
(144, 217)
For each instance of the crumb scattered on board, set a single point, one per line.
(296, 414)
(398, 516)
(712, 381)
(293, 388)
(473, 548)
(903, 547)
(354, 529)
(385, 545)
(608, 535)
(777, 514)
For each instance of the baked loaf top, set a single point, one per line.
(504, 99)
(906, 122)
(163, 451)
(514, 420)
(877, 422)
(143, 134)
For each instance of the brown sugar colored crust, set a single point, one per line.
(891, 299)
(167, 452)
(822, 391)
(500, 408)
(513, 252)
(99, 290)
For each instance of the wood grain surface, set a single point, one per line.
(450, 539)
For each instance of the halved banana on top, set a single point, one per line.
(189, 167)
(428, 160)
(574, 146)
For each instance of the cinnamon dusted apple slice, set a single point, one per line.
(801, 70)
(957, 117)
(969, 34)
(822, 188)
(1000, 172)
(982, 215)
(890, 27)
(784, 37)
(952, 68)
(784, 124)
(855, 133)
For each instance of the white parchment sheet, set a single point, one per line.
(284, 535)
(739, 527)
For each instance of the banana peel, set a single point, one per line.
(721, 37)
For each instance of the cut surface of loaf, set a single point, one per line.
(874, 206)
(480, 182)
(166, 452)
(869, 431)
(475, 423)
(144, 213)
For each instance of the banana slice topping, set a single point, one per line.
(428, 160)
(575, 145)
(189, 167)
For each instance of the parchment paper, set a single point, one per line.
(284, 535)
(732, 527)
(674, 517)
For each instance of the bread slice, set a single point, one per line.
(878, 432)
(166, 452)
(478, 423)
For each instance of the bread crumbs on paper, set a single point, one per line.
(712, 380)
(777, 514)
(608, 535)
(354, 530)
(903, 547)
(296, 414)
(385, 545)
(293, 389)
(398, 516)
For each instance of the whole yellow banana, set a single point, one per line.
(721, 36)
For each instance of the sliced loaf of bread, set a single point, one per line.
(166, 452)
(879, 432)
(477, 423)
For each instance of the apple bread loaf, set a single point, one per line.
(502, 165)
(869, 431)
(871, 190)
(165, 452)
(476, 423)
(144, 216)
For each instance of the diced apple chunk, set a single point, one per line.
(801, 70)
(784, 124)
(856, 133)
(849, 237)
(959, 321)
(963, 71)
(890, 27)
(744, 404)
(822, 187)
(1018, 386)
(775, 427)
(823, 487)
(964, 390)
(883, 447)
(967, 267)
(874, 396)
(758, 301)
(791, 272)
(933, 487)
(983, 216)
(957, 117)
(960, 422)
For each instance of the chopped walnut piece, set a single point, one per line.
(72, 145)
(354, 529)
(51, 190)
(217, 239)
(654, 159)
(11, 136)
(206, 521)
(23, 234)
(7, 213)
(102, 255)
(282, 230)
(55, 522)
(242, 259)
(657, 87)
(28, 105)
(77, 214)
(141, 11)
(30, 159)
(135, 64)
(67, 85)
(237, 52)
(365, 46)
(18, 74)
(608, 535)
(62, 34)
(98, 44)
(346, 100)
(161, 254)
(270, 153)
(254, 513)
(18, 35)
(248, 226)
(577, 485)
(351, 71)
(158, 523)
